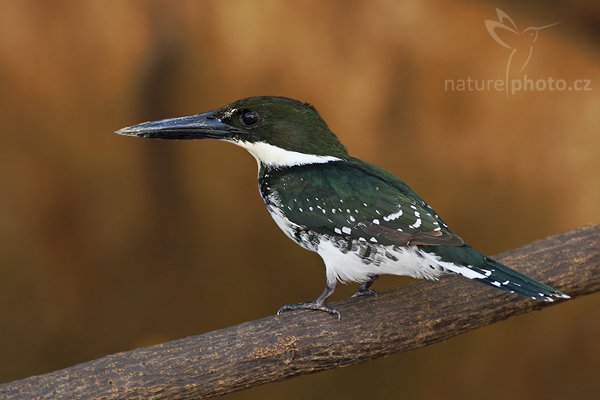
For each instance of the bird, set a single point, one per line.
(361, 220)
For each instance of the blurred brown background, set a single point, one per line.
(109, 243)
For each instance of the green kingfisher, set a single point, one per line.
(362, 220)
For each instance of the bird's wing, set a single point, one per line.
(360, 201)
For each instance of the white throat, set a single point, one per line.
(274, 156)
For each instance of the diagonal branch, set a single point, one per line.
(277, 348)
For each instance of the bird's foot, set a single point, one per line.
(363, 293)
(310, 305)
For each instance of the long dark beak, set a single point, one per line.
(197, 126)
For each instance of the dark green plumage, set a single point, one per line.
(353, 200)
(285, 123)
(368, 202)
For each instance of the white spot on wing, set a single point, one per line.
(416, 224)
(393, 216)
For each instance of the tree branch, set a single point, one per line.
(276, 348)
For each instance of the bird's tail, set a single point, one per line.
(502, 277)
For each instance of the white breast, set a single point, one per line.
(350, 267)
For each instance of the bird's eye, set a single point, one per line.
(249, 117)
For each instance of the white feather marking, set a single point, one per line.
(393, 216)
(274, 156)
(416, 224)
(349, 267)
(458, 269)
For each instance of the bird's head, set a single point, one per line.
(278, 131)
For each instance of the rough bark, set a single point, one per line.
(280, 347)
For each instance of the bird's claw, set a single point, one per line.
(362, 293)
(310, 306)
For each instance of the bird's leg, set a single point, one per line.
(318, 304)
(363, 289)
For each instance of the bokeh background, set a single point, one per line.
(109, 243)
